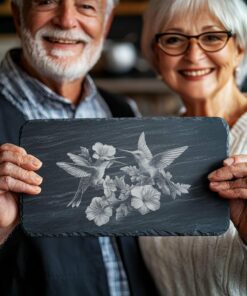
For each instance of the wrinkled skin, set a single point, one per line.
(230, 182)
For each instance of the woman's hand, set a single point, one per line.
(230, 182)
(16, 176)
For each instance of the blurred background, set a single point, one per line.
(121, 68)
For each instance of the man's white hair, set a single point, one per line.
(110, 5)
(231, 13)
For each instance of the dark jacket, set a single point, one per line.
(63, 266)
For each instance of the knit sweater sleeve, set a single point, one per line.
(204, 266)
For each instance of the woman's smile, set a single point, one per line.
(195, 74)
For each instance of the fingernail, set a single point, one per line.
(37, 190)
(214, 184)
(38, 179)
(37, 163)
(210, 175)
(229, 161)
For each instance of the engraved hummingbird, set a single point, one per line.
(153, 166)
(90, 173)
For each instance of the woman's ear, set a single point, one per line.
(17, 17)
(239, 55)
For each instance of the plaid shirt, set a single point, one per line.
(37, 101)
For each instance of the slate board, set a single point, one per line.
(161, 189)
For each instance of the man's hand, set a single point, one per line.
(230, 182)
(16, 176)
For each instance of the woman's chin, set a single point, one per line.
(196, 95)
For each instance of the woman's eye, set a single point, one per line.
(172, 40)
(212, 38)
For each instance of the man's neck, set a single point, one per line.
(72, 90)
(69, 90)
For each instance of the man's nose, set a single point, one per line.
(194, 51)
(66, 15)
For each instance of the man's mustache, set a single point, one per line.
(71, 35)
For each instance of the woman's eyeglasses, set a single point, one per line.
(176, 44)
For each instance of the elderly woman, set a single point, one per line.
(198, 47)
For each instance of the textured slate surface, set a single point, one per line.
(162, 189)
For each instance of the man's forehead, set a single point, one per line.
(78, 1)
(99, 6)
(101, 3)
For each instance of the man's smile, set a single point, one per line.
(62, 41)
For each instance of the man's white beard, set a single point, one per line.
(57, 65)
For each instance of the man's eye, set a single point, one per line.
(43, 2)
(87, 10)
(87, 7)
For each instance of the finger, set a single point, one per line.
(9, 209)
(13, 148)
(10, 169)
(234, 193)
(226, 185)
(26, 161)
(235, 159)
(10, 184)
(229, 172)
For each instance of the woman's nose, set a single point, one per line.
(194, 51)
(66, 15)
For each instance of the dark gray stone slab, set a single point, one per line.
(94, 186)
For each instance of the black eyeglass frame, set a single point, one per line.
(159, 35)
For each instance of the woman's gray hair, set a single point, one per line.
(231, 13)
(110, 5)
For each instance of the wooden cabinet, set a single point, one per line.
(152, 96)
(5, 7)
(130, 7)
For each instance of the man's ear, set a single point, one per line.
(108, 23)
(17, 17)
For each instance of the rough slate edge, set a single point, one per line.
(132, 233)
(137, 233)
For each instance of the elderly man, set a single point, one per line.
(61, 41)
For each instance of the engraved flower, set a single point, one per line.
(121, 212)
(109, 186)
(145, 199)
(124, 188)
(103, 152)
(133, 172)
(99, 211)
